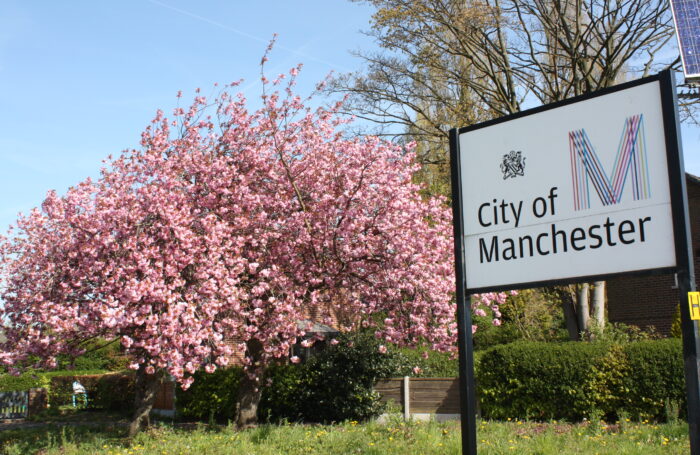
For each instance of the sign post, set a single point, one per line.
(465, 343)
(581, 190)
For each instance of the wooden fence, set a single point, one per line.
(14, 405)
(421, 395)
(165, 397)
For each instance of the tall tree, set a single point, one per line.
(230, 226)
(447, 63)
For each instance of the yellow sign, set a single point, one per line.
(694, 302)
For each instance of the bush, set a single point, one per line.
(211, 397)
(339, 382)
(280, 398)
(436, 365)
(643, 379)
(655, 380)
(532, 314)
(335, 385)
(113, 392)
(537, 380)
(23, 382)
(108, 357)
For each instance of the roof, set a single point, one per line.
(692, 178)
(315, 327)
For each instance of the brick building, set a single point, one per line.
(651, 300)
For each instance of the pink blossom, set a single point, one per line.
(231, 223)
(294, 359)
(382, 349)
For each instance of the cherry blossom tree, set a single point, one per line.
(230, 224)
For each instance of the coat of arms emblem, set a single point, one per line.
(513, 164)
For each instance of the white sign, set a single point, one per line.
(578, 190)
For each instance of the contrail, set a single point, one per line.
(249, 36)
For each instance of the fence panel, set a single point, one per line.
(14, 405)
(427, 395)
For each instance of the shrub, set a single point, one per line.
(531, 314)
(114, 392)
(280, 398)
(655, 380)
(335, 385)
(100, 355)
(339, 381)
(537, 380)
(643, 379)
(676, 330)
(23, 382)
(436, 365)
(212, 396)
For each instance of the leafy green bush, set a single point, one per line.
(23, 382)
(655, 379)
(643, 379)
(334, 385)
(537, 380)
(114, 392)
(99, 355)
(436, 365)
(676, 330)
(280, 398)
(211, 396)
(340, 380)
(111, 391)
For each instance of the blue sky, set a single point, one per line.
(79, 80)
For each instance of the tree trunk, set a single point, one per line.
(146, 388)
(249, 391)
(598, 304)
(570, 318)
(583, 310)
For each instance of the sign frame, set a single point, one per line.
(676, 178)
(683, 269)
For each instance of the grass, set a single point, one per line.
(393, 437)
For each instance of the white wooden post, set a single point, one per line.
(406, 398)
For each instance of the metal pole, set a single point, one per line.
(684, 256)
(467, 384)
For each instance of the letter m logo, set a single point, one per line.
(630, 164)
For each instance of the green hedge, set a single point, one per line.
(211, 396)
(575, 380)
(111, 391)
(23, 382)
(334, 385)
(655, 378)
(37, 379)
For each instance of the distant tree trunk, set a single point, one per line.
(569, 308)
(598, 304)
(583, 308)
(249, 391)
(146, 388)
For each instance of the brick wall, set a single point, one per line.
(651, 300)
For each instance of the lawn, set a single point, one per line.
(392, 437)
